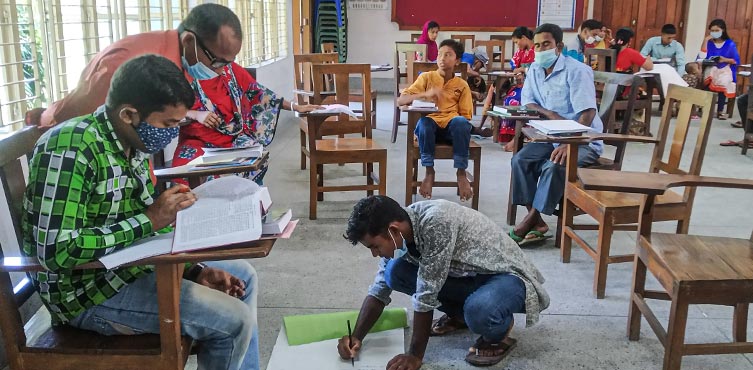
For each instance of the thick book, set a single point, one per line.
(228, 154)
(422, 104)
(515, 110)
(235, 162)
(275, 221)
(559, 127)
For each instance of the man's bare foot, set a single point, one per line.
(464, 186)
(427, 184)
(510, 146)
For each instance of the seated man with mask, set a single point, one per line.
(90, 194)
(559, 88)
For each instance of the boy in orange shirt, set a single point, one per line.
(451, 124)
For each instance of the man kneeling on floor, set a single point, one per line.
(90, 194)
(451, 258)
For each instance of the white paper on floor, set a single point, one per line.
(377, 350)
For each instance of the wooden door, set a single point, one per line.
(737, 14)
(645, 17)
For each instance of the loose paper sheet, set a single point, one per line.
(154, 246)
(377, 350)
(668, 75)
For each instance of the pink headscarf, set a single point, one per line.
(431, 46)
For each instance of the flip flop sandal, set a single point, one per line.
(534, 236)
(515, 238)
(445, 325)
(721, 116)
(729, 143)
(487, 354)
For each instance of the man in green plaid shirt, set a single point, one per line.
(90, 194)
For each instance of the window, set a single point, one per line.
(46, 44)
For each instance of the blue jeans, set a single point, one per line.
(457, 133)
(225, 326)
(486, 302)
(539, 182)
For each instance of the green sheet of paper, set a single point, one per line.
(315, 328)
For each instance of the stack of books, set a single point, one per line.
(515, 111)
(560, 128)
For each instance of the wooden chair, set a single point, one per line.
(442, 151)
(342, 150)
(405, 56)
(464, 39)
(748, 124)
(603, 60)
(691, 269)
(506, 56)
(414, 37)
(611, 86)
(493, 47)
(328, 47)
(614, 211)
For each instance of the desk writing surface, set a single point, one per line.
(189, 170)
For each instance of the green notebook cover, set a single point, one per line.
(316, 328)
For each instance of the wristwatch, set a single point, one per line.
(194, 271)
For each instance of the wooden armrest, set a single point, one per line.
(252, 249)
(651, 183)
(536, 136)
(303, 92)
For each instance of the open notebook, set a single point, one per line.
(228, 210)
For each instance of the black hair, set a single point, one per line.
(522, 31)
(669, 29)
(432, 24)
(205, 21)
(551, 29)
(456, 46)
(372, 216)
(622, 38)
(591, 24)
(150, 83)
(721, 24)
(481, 87)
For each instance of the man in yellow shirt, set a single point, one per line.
(451, 124)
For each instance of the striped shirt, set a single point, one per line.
(84, 199)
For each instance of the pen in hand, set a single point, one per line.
(350, 343)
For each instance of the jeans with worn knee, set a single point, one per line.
(225, 326)
(486, 302)
(539, 182)
(457, 133)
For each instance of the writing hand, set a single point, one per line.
(348, 347)
(165, 208)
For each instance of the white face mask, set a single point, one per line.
(590, 40)
(399, 252)
(598, 38)
(198, 71)
(716, 35)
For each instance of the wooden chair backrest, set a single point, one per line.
(341, 74)
(687, 98)
(302, 64)
(492, 47)
(509, 47)
(421, 67)
(405, 56)
(612, 86)
(328, 47)
(464, 40)
(414, 37)
(606, 59)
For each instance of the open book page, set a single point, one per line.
(377, 350)
(149, 247)
(336, 108)
(227, 211)
(668, 76)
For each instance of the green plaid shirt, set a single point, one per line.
(85, 199)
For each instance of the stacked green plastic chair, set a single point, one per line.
(330, 25)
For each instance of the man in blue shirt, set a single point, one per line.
(559, 88)
(666, 47)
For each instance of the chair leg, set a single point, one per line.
(369, 179)
(373, 111)
(395, 124)
(639, 287)
(683, 226)
(678, 319)
(414, 190)
(512, 209)
(320, 181)
(303, 146)
(566, 243)
(740, 323)
(602, 257)
(313, 189)
(383, 175)
(558, 235)
(408, 179)
(476, 181)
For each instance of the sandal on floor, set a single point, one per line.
(729, 143)
(534, 236)
(445, 325)
(483, 132)
(737, 124)
(514, 237)
(484, 353)
(721, 116)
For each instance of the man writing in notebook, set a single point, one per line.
(559, 88)
(450, 258)
(90, 194)
(451, 124)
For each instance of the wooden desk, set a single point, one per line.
(381, 68)
(194, 174)
(520, 121)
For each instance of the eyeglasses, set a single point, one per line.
(213, 60)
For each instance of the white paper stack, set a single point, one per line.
(423, 104)
(559, 127)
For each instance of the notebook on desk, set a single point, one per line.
(559, 127)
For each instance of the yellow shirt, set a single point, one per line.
(454, 101)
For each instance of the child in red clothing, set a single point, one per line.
(629, 60)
